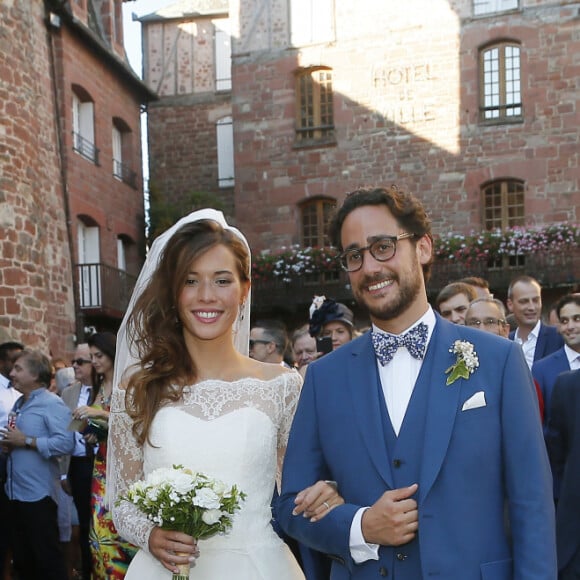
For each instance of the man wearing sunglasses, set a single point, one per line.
(77, 469)
(428, 428)
(269, 341)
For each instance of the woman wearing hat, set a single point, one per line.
(332, 319)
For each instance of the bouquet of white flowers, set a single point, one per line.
(178, 499)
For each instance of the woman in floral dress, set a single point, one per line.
(111, 554)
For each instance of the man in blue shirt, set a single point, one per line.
(33, 440)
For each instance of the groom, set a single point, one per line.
(428, 459)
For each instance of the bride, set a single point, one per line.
(191, 396)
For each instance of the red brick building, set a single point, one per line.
(471, 104)
(71, 193)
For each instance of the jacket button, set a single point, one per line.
(397, 462)
(383, 571)
(401, 556)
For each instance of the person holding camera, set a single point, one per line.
(331, 320)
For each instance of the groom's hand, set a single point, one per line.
(393, 519)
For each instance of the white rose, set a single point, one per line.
(206, 498)
(183, 483)
(219, 487)
(211, 517)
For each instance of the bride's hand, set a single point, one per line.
(172, 548)
(316, 501)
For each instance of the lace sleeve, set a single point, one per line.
(292, 386)
(124, 467)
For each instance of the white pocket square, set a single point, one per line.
(478, 400)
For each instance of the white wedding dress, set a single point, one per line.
(229, 431)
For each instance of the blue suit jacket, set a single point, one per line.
(472, 463)
(564, 447)
(545, 371)
(549, 341)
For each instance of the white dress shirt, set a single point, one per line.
(80, 446)
(8, 396)
(529, 345)
(398, 379)
(573, 357)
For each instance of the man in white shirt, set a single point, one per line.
(9, 352)
(269, 341)
(546, 370)
(524, 301)
(428, 428)
(77, 470)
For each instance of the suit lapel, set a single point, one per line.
(540, 344)
(363, 383)
(442, 403)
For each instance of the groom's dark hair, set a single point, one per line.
(405, 207)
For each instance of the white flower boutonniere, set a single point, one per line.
(465, 364)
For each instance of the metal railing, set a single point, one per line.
(85, 148)
(124, 172)
(552, 270)
(104, 288)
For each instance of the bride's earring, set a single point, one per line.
(241, 312)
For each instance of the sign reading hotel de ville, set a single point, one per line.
(401, 92)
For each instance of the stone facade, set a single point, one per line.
(36, 302)
(406, 110)
(46, 188)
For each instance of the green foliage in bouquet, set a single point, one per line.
(178, 499)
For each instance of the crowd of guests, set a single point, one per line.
(55, 417)
(54, 447)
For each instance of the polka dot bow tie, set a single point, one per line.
(386, 345)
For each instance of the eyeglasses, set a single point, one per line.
(486, 322)
(79, 361)
(382, 249)
(254, 342)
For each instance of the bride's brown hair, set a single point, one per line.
(154, 329)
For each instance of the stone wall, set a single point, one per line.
(36, 302)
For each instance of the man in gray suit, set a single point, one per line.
(77, 469)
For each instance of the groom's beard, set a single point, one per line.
(409, 288)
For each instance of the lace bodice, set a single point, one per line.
(236, 432)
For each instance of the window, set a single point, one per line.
(225, 151)
(223, 56)
(315, 114)
(500, 81)
(83, 118)
(316, 215)
(492, 6)
(121, 253)
(89, 266)
(311, 21)
(503, 203)
(122, 149)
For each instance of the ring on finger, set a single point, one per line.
(325, 503)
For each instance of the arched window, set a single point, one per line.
(122, 152)
(89, 258)
(500, 83)
(314, 105)
(503, 203)
(316, 215)
(83, 121)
